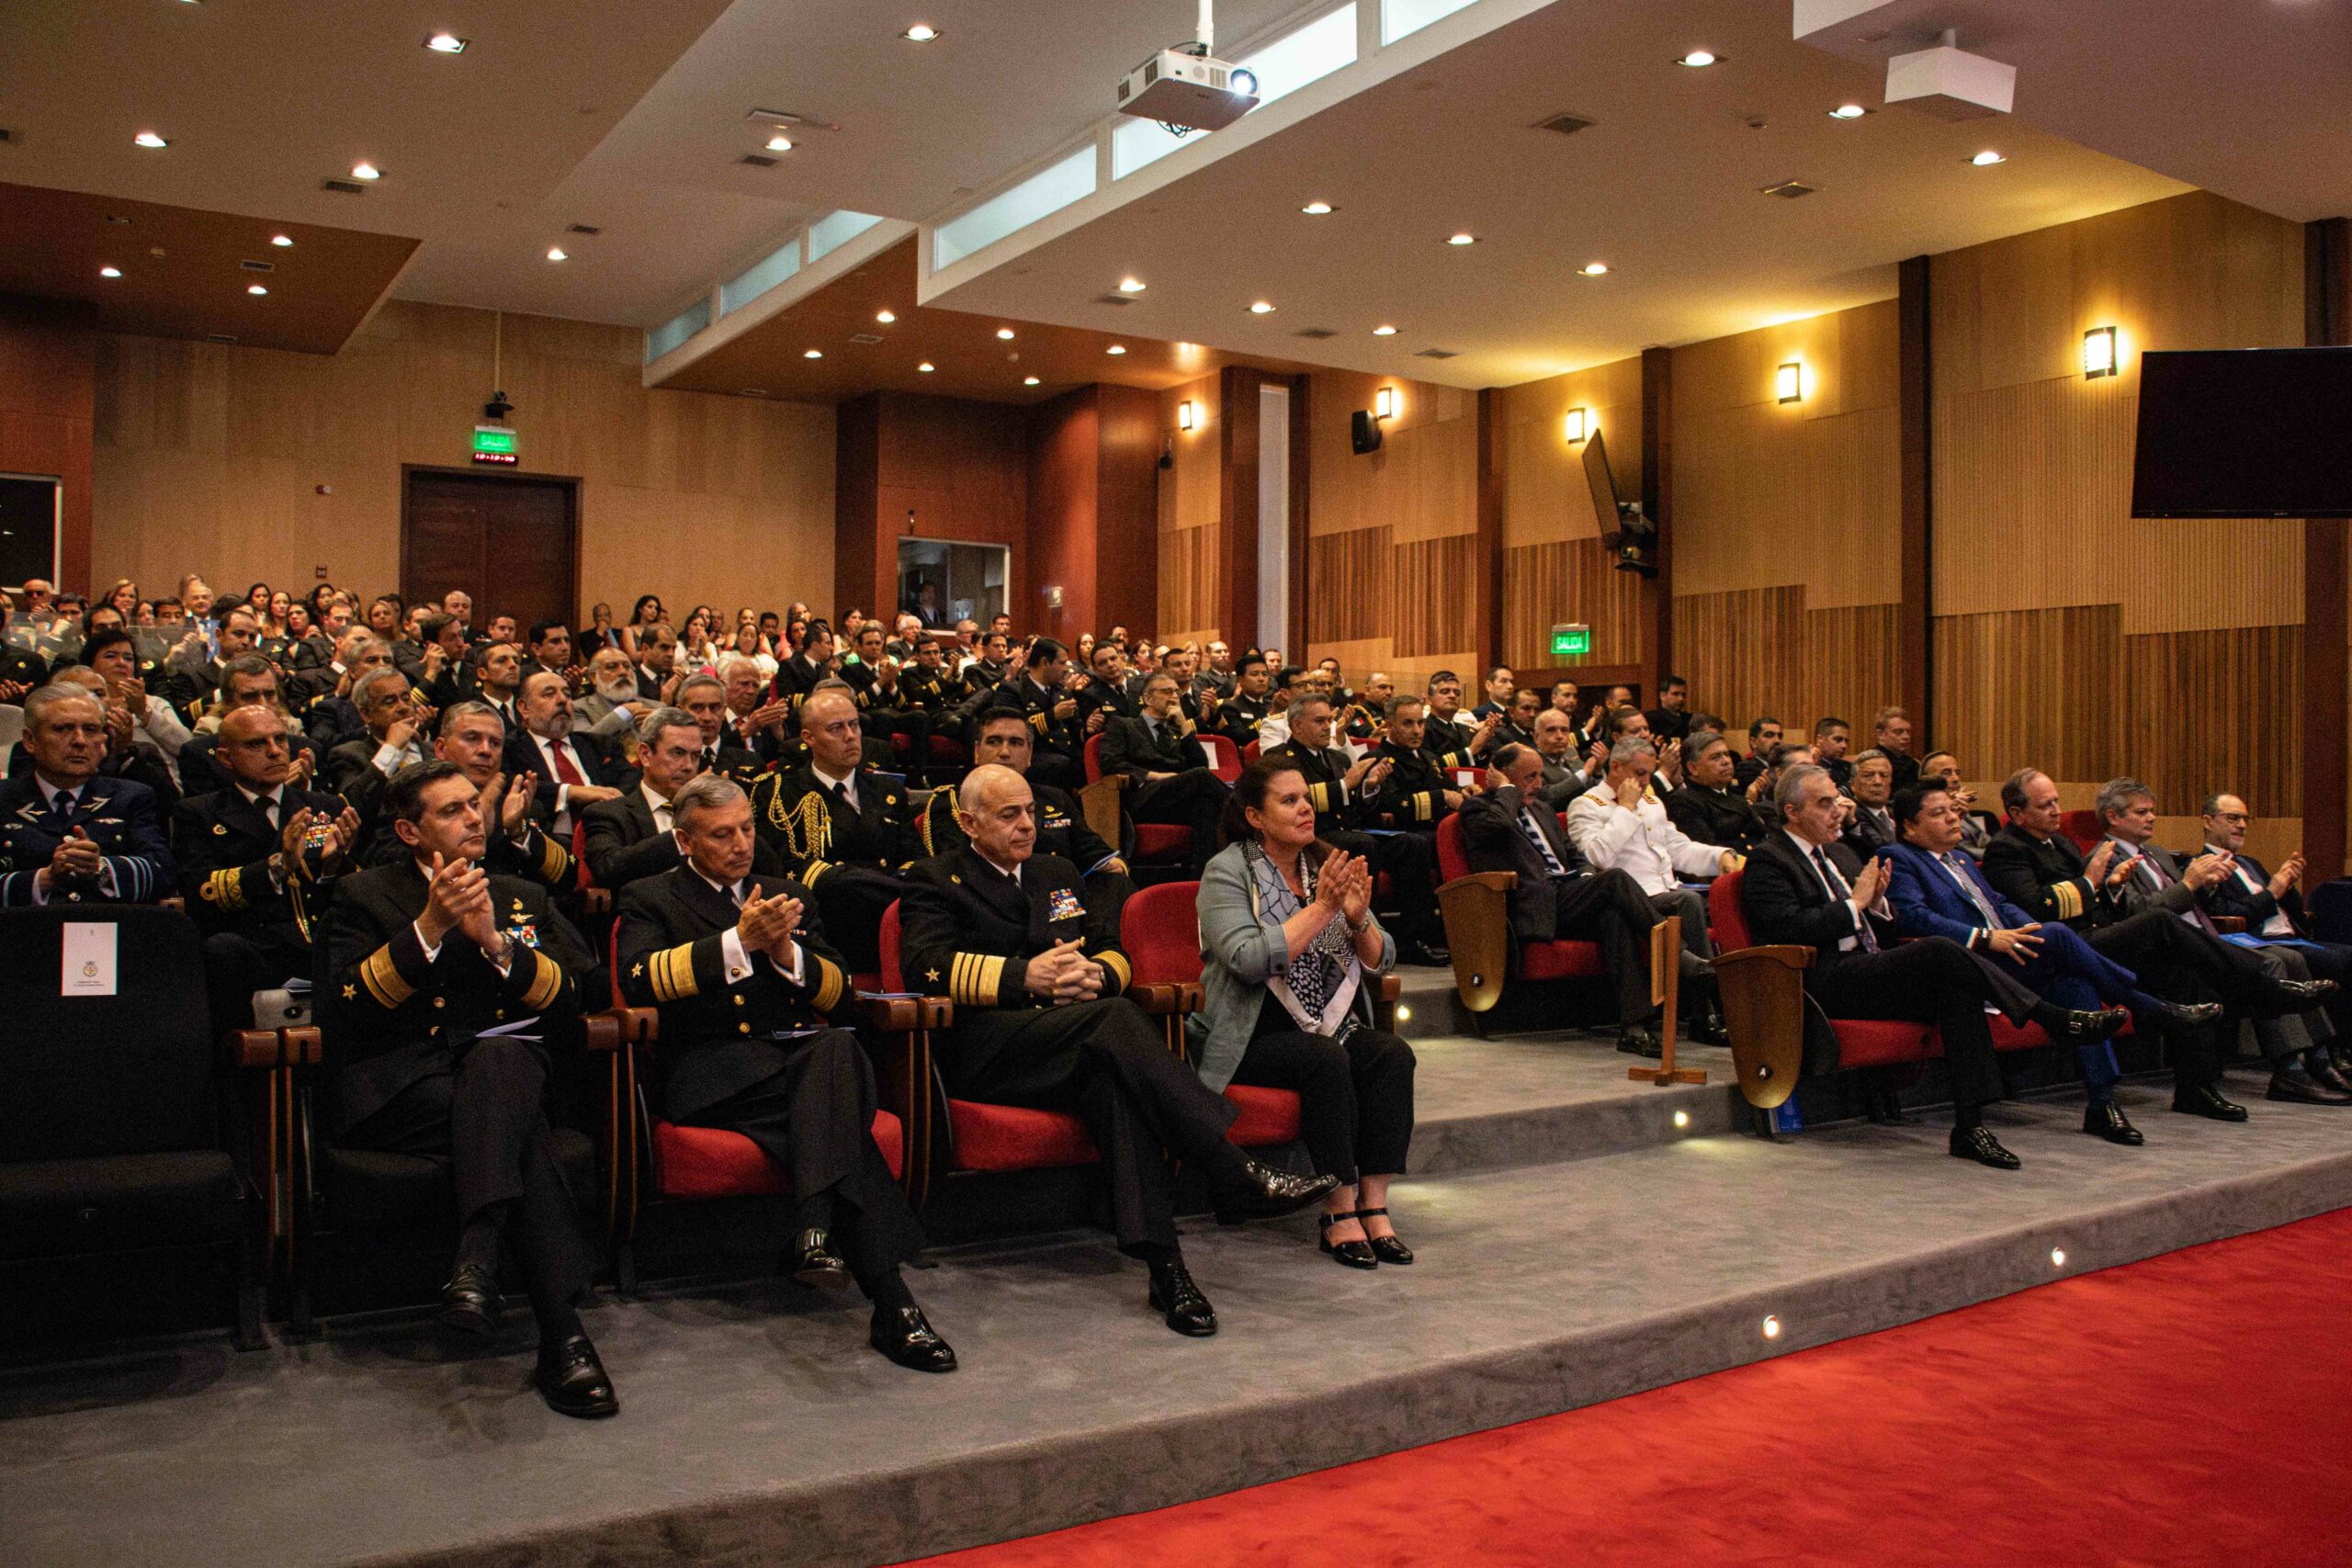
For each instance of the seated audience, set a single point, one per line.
(1890, 733)
(1619, 825)
(1670, 720)
(1832, 738)
(1709, 809)
(2271, 904)
(1872, 785)
(574, 772)
(1341, 791)
(1167, 770)
(1763, 734)
(843, 830)
(70, 834)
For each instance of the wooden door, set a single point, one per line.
(513, 543)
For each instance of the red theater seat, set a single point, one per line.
(1157, 843)
(2084, 827)
(1476, 908)
(1163, 942)
(709, 1162)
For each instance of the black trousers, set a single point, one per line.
(238, 963)
(2183, 963)
(488, 1115)
(1609, 909)
(1408, 859)
(1192, 799)
(1355, 1096)
(1934, 981)
(814, 1119)
(1106, 1063)
(853, 899)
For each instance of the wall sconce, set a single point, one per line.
(1184, 415)
(1579, 426)
(2098, 353)
(1788, 382)
(1384, 403)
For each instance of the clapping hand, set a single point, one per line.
(1871, 883)
(75, 858)
(2206, 870)
(2289, 875)
(2095, 869)
(298, 772)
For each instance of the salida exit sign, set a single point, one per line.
(1573, 641)
(495, 444)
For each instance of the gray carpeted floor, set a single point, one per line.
(757, 1428)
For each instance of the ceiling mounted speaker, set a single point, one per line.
(1364, 432)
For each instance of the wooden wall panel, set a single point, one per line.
(48, 399)
(1188, 491)
(1348, 594)
(210, 457)
(1433, 586)
(2034, 688)
(1126, 532)
(1742, 652)
(1189, 584)
(1852, 665)
(2215, 710)
(1570, 579)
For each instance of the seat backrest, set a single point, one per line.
(1161, 928)
(1724, 915)
(1224, 758)
(1094, 760)
(891, 978)
(88, 1076)
(1249, 753)
(1452, 863)
(2084, 827)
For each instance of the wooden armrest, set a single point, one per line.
(1392, 987)
(1170, 997)
(1789, 956)
(893, 1015)
(303, 1047)
(1476, 911)
(1100, 802)
(253, 1048)
(610, 1030)
(2229, 925)
(1493, 881)
(1762, 993)
(596, 900)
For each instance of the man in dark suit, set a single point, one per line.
(1558, 897)
(1035, 688)
(1763, 734)
(846, 832)
(498, 680)
(1890, 733)
(1168, 774)
(1804, 887)
(2271, 904)
(748, 989)
(448, 991)
(1872, 785)
(1708, 808)
(247, 680)
(798, 674)
(1555, 742)
(703, 697)
(332, 719)
(552, 649)
(69, 834)
(886, 712)
(1414, 794)
(1237, 712)
(754, 722)
(252, 855)
(634, 837)
(1040, 1021)
(572, 772)
(1340, 791)
(1832, 738)
(396, 726)
(1670, 720)
(196, 682)
(518, 845)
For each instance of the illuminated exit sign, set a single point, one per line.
(1571, 641)
(495, 444)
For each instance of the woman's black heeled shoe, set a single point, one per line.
(1354, 1254)
(1386, 1248)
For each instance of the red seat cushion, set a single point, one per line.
(1014, 1137)
(1871, 1042)
(947, 748)
(1268, 1116)
(1163, 840)
(1560, 960)
(710, 1162)
(2007, 1036)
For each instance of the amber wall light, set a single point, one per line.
(1184, 415)
(2098, 353)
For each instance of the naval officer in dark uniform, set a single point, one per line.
(845, 831)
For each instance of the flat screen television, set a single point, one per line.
(2244, 433)
(1603, 486)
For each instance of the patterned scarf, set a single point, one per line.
(1319, 987)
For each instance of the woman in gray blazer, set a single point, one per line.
(1289, 953)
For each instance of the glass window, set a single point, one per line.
(677, 329)
(1314, 51)
(835, 230)
(1400, 17)
(1048, 190)
(760, 276)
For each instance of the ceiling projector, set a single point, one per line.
(1186, 89)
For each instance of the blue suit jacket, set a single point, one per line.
(117, 815)
(1929, 903)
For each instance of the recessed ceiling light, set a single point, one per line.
(1699, 58)
(1988, 158)
(280, 241)
(922, 32)
(1462, 239)
(1005, 333)
(447, 43)
(812, 354)
(779, 143)
(366, 172)
(555, 253)
(926, 367)
(1262, 308)
(1131, 286)
(256, 288)
(1318, 208)
(886, 317)
(109, 272)
(1383, 331)
(1116, 348)
(1028, 380)
(1847, 112)
(148, 139)
(1594, 268)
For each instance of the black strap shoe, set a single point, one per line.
(903, 1336)
(2297, 1087)
(572, 1381)
(1388, 1248)
(2299, 995)
(1267, 1193)
(1708, 1028)
(813, 1262)
(2105, 1118)
(2204, 1099)
(1979, 1145)
(1176, 1299)
(1350, 1254)
(2186, 1015)
(469, 1301)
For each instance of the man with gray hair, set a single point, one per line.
(635, 836)
(1620, 824)
(753, 1001)
(69, 834)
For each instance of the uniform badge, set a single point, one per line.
(528, 933)
(222, 828)
(1061, 904)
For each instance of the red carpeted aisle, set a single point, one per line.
(2196, 1408)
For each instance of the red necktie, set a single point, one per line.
(566, 772)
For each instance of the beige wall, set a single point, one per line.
(209, 458)
(1554, 569)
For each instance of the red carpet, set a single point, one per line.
(2196, 1408)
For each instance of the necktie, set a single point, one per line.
(1955, 863)
(1551, 861)
(841, 794)
(1838, 889)
(566, 770)
(2195, 913)
(60, 808)
(268, 805)
(710, 759)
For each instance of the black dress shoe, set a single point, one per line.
(2188, 1015)
(813, 1262)
(1388, 1248)
(572, 1381)
(2101, 1023)
(1350, 1254)
(2204, 1099)
(2328, 1074)
(2302, 994)
(2298, 1088)
(1708, 1028)
(903, 1336)
(1979, 1145)
(469, 1301)
(1422, 956)
(1639, 1041)
(1176, 1299)
(2104, 1119)
(1267, 1193)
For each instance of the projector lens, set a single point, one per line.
(1244, 82)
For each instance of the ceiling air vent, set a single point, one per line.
(866, 337)
(1790, 189)
(220, 337)
(583, 228)
(258, 265)
(1112, 299)
(117, 218)
(1316, 332)
(343, 188)
(1437, 353)
(1565, 124)
(759, 159)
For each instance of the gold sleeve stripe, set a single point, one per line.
(2068, 898)
(1320, 794)
(817, 868)
(974, 979)
(383, 981)
(226, 888)
(1111, 958)
(553, 859)
(544, 983)
(673, 970)
(831, 984)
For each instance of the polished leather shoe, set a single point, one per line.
(2304, 993)
(1349, 1254)
(2297, 1087)
(1178, 1300)
(2188, 1015)
(903, 1336)
(572, 1381)
(1422, 956)
(1268, 1192)
(1979, 1145)
(1639, 1042)
(2204, 1099)
(1708, 1028)
(2101, 1023)
(2330, 1075)
(2105, 1118)
(469, 1301)
(1388, 1248)
(813, 1262)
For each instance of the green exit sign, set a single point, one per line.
(494, 443)
(1571, 641)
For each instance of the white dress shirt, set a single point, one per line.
(1643, 842)
(826, 781)
(730, 940)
